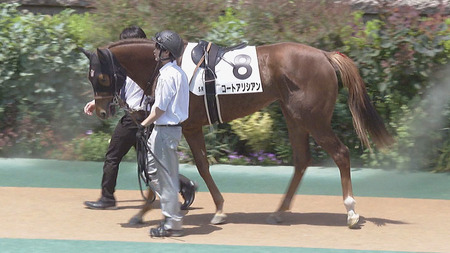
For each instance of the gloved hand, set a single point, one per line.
(140, 134)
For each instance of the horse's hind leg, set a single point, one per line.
(196, 141)
(340, 154)
(138, 218)
(301, 158)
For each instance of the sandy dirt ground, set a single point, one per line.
(386, 224)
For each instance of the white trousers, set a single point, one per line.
(163, 170)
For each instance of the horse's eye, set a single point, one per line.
(103, 80)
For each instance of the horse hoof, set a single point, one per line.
(274, 218)
(219, 219)
(352, 220)
(135, 221)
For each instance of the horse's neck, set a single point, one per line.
(138, 60)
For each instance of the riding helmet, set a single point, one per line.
(170, 41)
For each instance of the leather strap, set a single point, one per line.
(200, 62)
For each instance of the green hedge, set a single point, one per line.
(43, 81)
(404, 59)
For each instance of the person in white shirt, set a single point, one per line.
(170, 109)
(124, 137)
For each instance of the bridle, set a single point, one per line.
(117, 76)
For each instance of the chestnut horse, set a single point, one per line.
(301, 78)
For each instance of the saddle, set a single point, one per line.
(207, 55)
(199, 51)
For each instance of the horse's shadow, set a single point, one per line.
(201, 222)
(289, 219)
(380, 222)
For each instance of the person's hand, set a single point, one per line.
(89, 107)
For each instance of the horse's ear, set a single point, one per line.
(85, 52)
(102, 55)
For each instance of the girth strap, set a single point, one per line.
(210, 85)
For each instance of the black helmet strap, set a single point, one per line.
(160, 53)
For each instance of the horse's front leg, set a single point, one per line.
(138, 218)
(196, 141)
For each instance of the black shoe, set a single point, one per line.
(101, 204)
(188, 192)
(162, 232)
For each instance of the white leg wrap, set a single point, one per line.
(349, 203)
(352, 216)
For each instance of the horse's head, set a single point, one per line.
(107, 78)
(110, 66)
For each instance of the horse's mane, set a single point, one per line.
(129, 41)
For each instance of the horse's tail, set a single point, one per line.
(365, 117)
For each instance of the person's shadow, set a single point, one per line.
(201, 222)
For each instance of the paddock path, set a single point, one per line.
(41, 210)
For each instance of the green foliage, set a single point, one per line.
(315, 23)
(446, 41)
(81, 27)
(92, 147)
(397, 56)
(227, 30)
(255, 129)
(443, 160)
(191, 19)
(421, 130)
(421, 143)
(112, 16)
(219, 142)
(398, 53)
(43, 80)
(88, 147)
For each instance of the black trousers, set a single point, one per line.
(122, 139)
